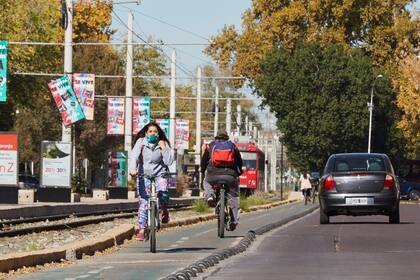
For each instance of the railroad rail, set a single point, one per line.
(7, 230)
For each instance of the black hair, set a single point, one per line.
(142, 133)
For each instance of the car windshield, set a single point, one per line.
(345, 164)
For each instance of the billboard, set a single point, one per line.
(164, 124)
(8, 159)
(117, 169)
(55, 164)
(84, 88)
(182, 134)
(66, 101)
(141, 113)
(116, 107)
(3, 70)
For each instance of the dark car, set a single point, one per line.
(409, 190)
(28, 181)
(359, 184)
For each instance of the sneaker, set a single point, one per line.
(165, 217)
(211, 201)
(140, 235)
(232, 226)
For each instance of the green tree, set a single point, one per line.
(319, 96)
(384, 29)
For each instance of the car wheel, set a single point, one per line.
(414, 195)
(394, 217)
(323, 218)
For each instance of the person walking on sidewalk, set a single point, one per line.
(228, 172)
(151, 156)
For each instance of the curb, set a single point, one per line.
(111, 238)
(201, 265)
(71, 251)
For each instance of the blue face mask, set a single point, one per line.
(152, 138)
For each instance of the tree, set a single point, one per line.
(30, 21)
(319, 96)
(384, 29)
(408, 100)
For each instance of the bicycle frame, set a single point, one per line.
(222, 210)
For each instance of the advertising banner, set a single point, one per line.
(141, 113)
(3, 70)
(8, 159)
(164, 124)
(182, 134)
(116, 107)
(84, 88)
(66, 101)
(117, 169)
(56, 164)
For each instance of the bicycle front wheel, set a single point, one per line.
(221, 217)
(152, 226)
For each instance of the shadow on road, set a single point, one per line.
(188, 249)
(373, 223)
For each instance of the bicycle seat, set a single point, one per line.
(221, 184)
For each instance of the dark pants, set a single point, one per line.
(232, 192)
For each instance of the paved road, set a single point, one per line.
(176, 249)
(349, 248)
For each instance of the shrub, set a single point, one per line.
(201, 206)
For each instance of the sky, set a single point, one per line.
(200, 19)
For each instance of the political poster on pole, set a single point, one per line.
(55, 164)
(8, 159)
(141, 113)
(3, 70)
(182, 134)
(117, 169)
(116, 107)
(66, 101)
(84, 88)
(164, 124)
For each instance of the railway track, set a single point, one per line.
(17, 227)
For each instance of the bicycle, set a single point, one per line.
(223, 212)
(314, 193)
(153, 221)
(307, 195)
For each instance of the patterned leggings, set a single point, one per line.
(144, 189)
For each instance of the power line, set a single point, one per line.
(172, 25)
(105, 43)
(179, 67)
(134, 76)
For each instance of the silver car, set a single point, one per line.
(359, 184)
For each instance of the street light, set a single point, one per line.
(370, 107)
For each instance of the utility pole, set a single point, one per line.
(238, 119)
(281, 169)
(255, 135)
(216, 110)
(129, 90)
(198, 120)
(172, 127)
(265, 141)
(228, 116)
(246, 126)
(68, 70)
(273, 172)
(68, 58)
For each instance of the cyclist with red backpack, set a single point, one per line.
(222, 161)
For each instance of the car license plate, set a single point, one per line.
(359, 200)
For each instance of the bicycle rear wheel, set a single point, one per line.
(152, 226)
(221, 218)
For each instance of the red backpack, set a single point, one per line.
(222, 154)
